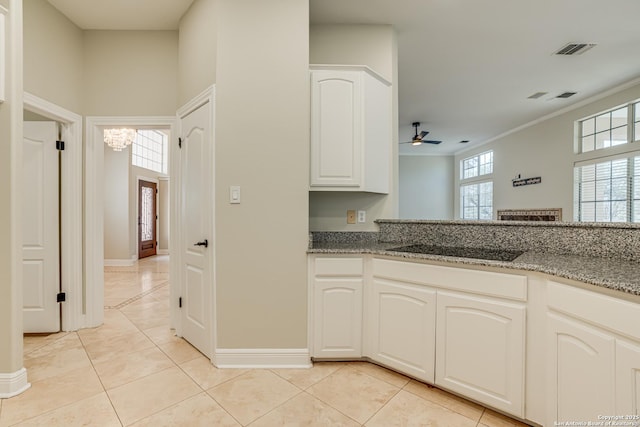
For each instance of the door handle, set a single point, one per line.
(204, 243)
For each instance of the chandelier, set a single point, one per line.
(119, 139)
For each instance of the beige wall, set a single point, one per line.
(10, 189)
(376, 47)
(130, 73)
(426, 187)
(53, 64)
(262, 89)
(197, 49)
(545, 149)
(116, 204)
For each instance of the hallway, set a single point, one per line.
(134, 371)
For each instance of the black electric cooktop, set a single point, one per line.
(478, 253)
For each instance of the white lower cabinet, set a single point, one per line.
(336, 308)
(628, 378)
(480, 349)
(401, 328)
(581, 382)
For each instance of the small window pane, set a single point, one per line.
(636, 135)
(588, 143)
(603, 140)
(603, 122)
(619, 135)
(588, 127)
(618, 211)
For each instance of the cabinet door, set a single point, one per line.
(627, 378)
(336, 128)
(337, 319)
(402, 327)
(581, 369)
(480, 349)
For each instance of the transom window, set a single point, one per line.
(476, 191)
(149, 150)
(610, 128)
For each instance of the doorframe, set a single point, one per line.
(175, 228)
(71, 205)
(94, 201)
(157, 183)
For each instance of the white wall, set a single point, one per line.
(130, 73)
(197, 49)
(262, 90)
(544, 149)
(163, 215)
(53, 56)
(374, 46)
(426, 187)
(116, 204)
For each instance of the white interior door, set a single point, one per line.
(40, 228)
(196, 211)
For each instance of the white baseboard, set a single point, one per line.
(119, 262)
(162, 251)
(13, 384)
(262, 358)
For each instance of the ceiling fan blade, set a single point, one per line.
(428, 141)
(423, 134)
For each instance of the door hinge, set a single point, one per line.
(179, 142)
(180, 302)
(61, 297)
(60, 145)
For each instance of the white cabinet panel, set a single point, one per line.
(581, 371)
(351, 136)
(480, 349)
(627, 378)
(402, 327)
(338, 318)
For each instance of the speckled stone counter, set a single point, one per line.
(565, 251)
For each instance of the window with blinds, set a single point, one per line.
(607, 177)
(608, 191)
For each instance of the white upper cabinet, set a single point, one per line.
(351, 116)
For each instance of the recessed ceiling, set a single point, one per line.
(466, 68)
(123, 14)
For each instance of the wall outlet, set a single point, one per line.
(351, 217)
(362, 216)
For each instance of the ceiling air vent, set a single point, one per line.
(575, 48)
(566, 94)
(537, 95)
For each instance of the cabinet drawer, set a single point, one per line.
(489, 283)
(602, 310)
(338, 266)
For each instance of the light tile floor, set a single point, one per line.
(134, 371)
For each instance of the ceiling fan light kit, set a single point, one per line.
(418, 138)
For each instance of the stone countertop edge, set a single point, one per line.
(563, 224)
(617, 275)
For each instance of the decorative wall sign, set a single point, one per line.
(519, 182)
(553, 214)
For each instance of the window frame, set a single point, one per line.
(147, 156)
(477, 179)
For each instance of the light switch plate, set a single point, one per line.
(362, 216)
(234, 194)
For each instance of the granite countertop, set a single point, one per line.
(610, 273)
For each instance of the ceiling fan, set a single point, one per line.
(418, 138)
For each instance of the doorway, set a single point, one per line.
(147, 218)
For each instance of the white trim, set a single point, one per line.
(13, 384)
(94, 203)
(71, 204)
(162, 252)
(572, 107)
(119, 262)
(262, 358)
